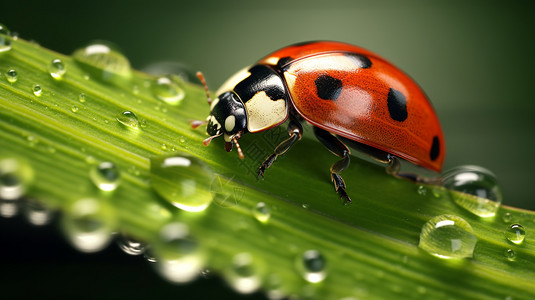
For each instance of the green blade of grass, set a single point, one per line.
(370, 248)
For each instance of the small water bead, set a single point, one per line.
(104, 61)
(242, 276)
(128, 119)
(169, 90)
(262, 212)
(509, 254)
(179, 259)
(312, 266)
(81, 97)
(106, 176)
(183, 180)
(88, 224)
(12, 76)
(9, 208)
(74, 108)
(36, 212)
(478, 182)
(15, 178)
(130, 246)
(37, 90)
(448, 236)
(507, 217)
(515, 233)
(57, 68)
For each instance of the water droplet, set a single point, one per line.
(88, 224)
(5, 39)
(37, 91)
(507, 217)
(74, 108)
(104, 61)
(273, 288)
(81, 97)
(183, 180)
(179, 259)
(242, 276)
(478, 187)
(448, 236)
(11, 76)
(36, 212)
(182, 71)
(32, 140)
(262, 212)
(164, 147)
(15, 178)
(106, 176)
(515, 233)
(509, 254)
(128, 119)
(422, 190)
(9, 208)
(57, 68)
(168, 90)
(312, 266)
(130, 246)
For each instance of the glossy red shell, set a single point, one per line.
(361, 110)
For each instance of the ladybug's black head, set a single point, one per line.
(227, 116)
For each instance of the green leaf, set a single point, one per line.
(280, 234)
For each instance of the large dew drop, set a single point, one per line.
(57, 68)
(103, 61)
(12, 76)
(128, 119)
(105, 176)
(88, 224)
(5, 39)
(515, 233)
(448, 236)
(15, 177)
(242, 276)
(177, 254)
(312, 266)
(168, 89)
(183, 180)
(474, 188)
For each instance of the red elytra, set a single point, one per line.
(375, 103)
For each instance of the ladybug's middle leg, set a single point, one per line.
(339, 149)
(295, 130)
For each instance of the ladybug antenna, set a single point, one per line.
(201, 78)
(235, 139)
(207, 141)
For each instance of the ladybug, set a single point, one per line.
(349, 95)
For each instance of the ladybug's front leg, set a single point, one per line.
(295, 130)
(339, 149)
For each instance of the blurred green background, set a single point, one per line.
(473, 58)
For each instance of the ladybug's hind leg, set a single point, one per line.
(341, 150)
(295, 130)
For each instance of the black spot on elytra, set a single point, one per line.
(262, 78)
(435, 148)
(328, 88)
(397, 105)
(359, 60)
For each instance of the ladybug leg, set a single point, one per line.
(393, 169)
(295, 130)
(341, 150)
